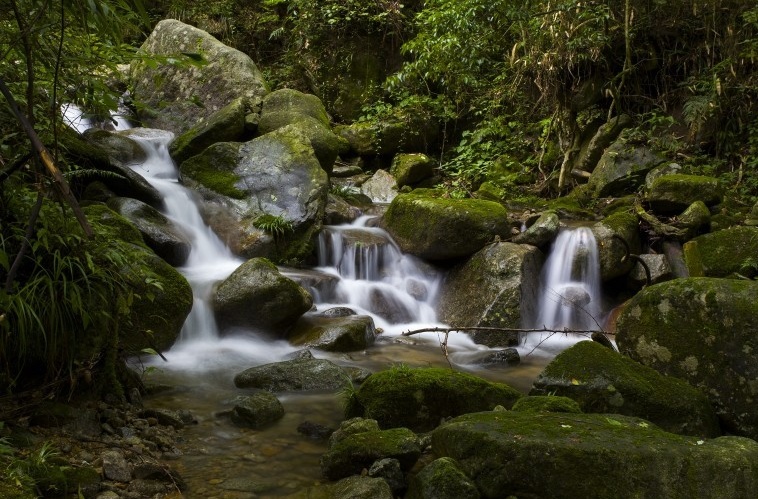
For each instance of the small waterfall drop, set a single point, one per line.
(570, 294)
(210, 260)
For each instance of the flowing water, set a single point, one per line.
(359, 267)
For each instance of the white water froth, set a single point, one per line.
(75, 117)
(570, 295)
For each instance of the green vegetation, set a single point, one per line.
(277, 226)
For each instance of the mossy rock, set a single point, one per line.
(611, 251)
(703, 331)
(352, 487)
(214, 169)
(225, 125)
(354, 453)
(257, 410)
(489, 191)
(334, 334)
(442, 479)
(410, 169)
(542, 232)
(279, 108)
(672, 194)
(728, 252)
(622, 168)
(547, 403)
(593, 455)
(435, 228)
(603, 381)
(420, 398)
(118, 147)
(326, 145)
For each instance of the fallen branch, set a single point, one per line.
(447, 330)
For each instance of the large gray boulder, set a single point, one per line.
(509, 453)
(161, 234)
(612, 252)
(702, 330)
(334, 334)
(672, 194)
(435, 228)
(296, 375)
(604, 381)
(274, 178)
(622, 168)
(177, 96)
(256, 294)
(498, 286)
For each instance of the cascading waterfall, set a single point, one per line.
(570, 296)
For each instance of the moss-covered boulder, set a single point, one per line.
(410, 169)
(611, 250)
(285, 106)
(296, 375)
(276, 179)
(420, 398)
(118, 147)
(435, 228)
(622, 168)
(352, 487)
(225, 125)
(497, 286)
(701, 330)
(728, 252)
(358, 451)
(161, 304)
(176, 97)
(256, 294)
(405, 130)
(161, 234)
(604, 381)
(672, 194)
(542, 232)
(257, 410)
(442, 479)
(334, 334)
(547, 403)
(565, 456)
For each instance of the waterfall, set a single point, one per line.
(570, 286)
(210, 260)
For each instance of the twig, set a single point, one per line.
(448, 330)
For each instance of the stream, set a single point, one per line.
(360, 267)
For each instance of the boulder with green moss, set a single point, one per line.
(352, 487)
(160, 233)
(256, 294)
(612, 251)
(728, 252)
(436, 228)
(296, 375)
(420, 398)
(547, 403)
(604, 381)
(701, 330)
(542, 232)
(410, 169)
(442, 479)
(497, 286)
(225, 125)
(622, 168)
(176, 97)
(358, 451)
(334, 334)
(256, 410)
(265, 197)
(565, 456)
(403, 130)
(672, 194)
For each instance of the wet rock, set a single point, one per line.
(381, 187)
(389, 470)
(541, 232)
(506, 356)
(225, 125)
(338, 312)
(389, 306)
(164, 417)
(257, 410)
(442, 479)
(352, 487)
(115, 466)
(352, 426)
(294, 375)
(321, 285)
(334, 334)
(659, 268)
(314, 430)
(338, 211)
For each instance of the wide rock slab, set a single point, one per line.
(434, 228)
(178, 96)
(702, 330)
(294, 375)
(566, 456)
(603, 381)
(420, 398)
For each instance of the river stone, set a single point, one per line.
(161, 234)
(178, 96)
(497, 287)
(659, 267)
(381, 187)
(603, 381)
(622, 168)
(321, 285)
(611, 251)
(225, 125)
(358, 451)
(294, 376)
(334, 334)
(275, 175)
(728, 252)
(352, 487)
(257, 410)
(542, 232)
(338, 211)
(546, 403)
(115, 466)
(434, 228)
(410, 169)
(117, 146)
(351, 427)
(256, 294)
(420, 398)
(507, 453)
(701, 330)
(442, 479)
(672, 194)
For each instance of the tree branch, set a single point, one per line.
(501, 330)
